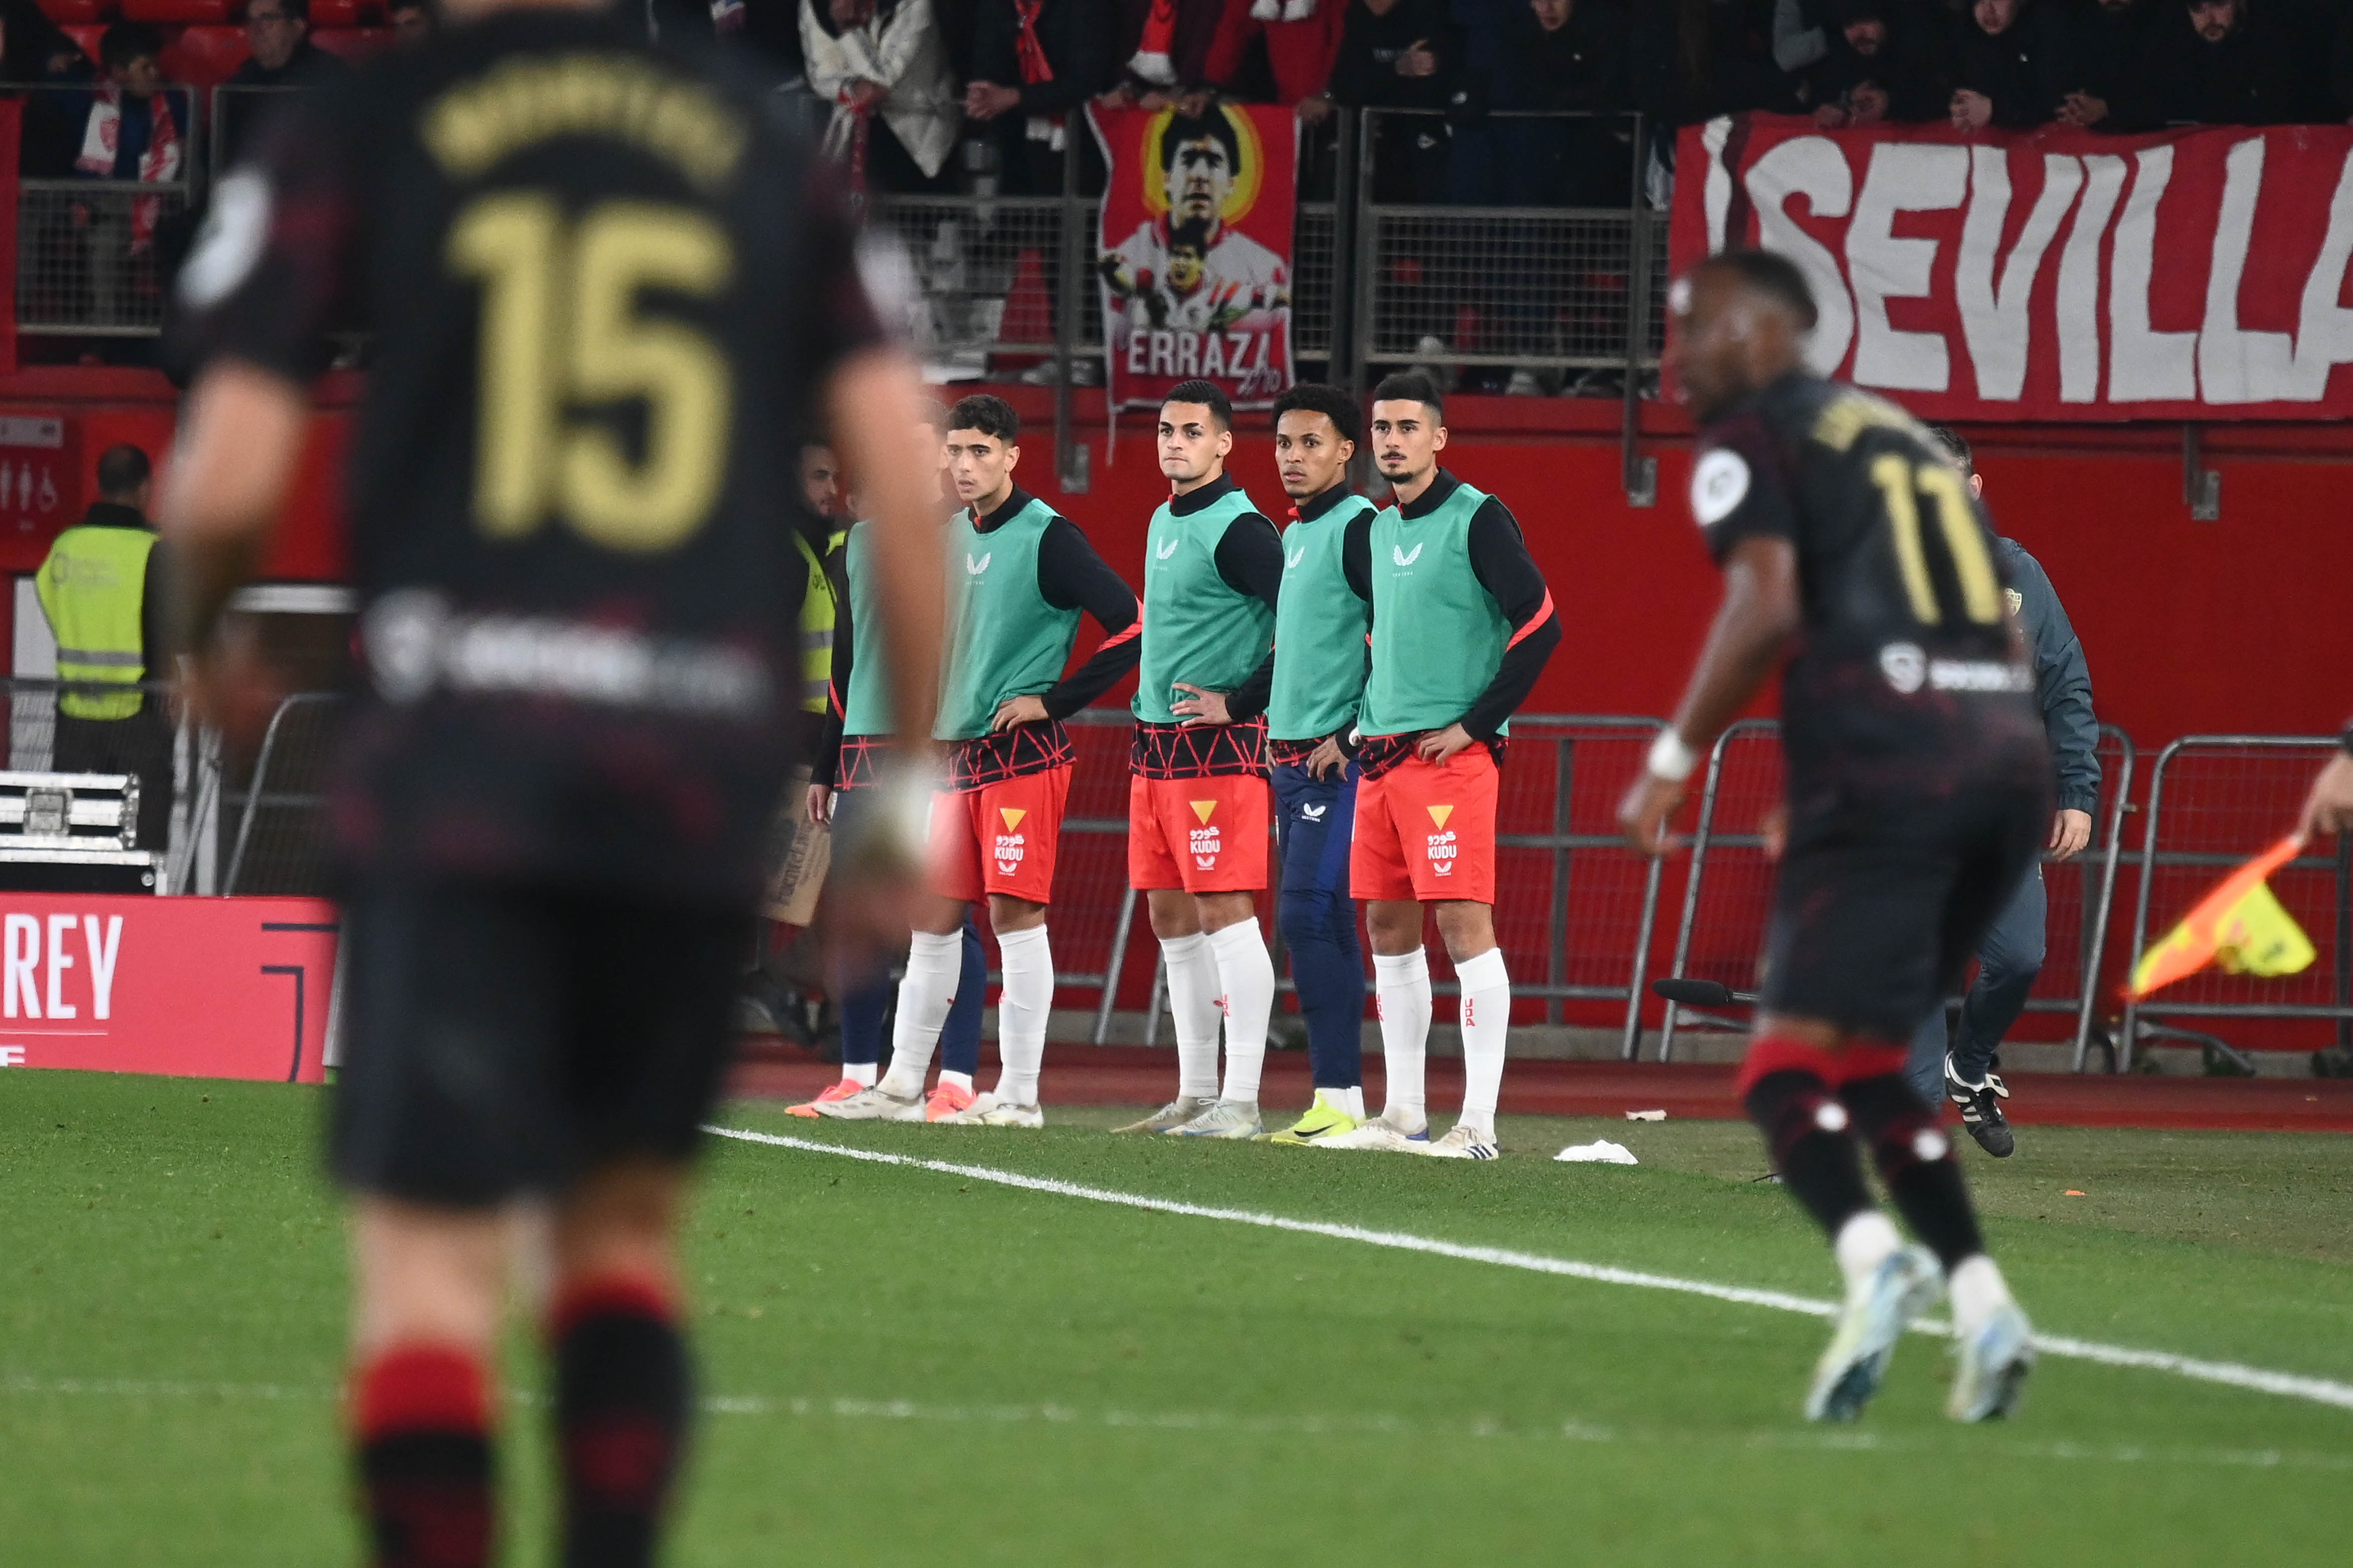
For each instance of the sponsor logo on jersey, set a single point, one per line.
(1012, 814)
(2016, 600)
(1291, 562)
(1314, 813)
(1905, 665)
(1012, 848)
(1204, 809)
(1404, 557)
(1718, 484)
(975, 568)
(1165, 550)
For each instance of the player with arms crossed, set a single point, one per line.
(1019, 576)
(603, 279)
(1463, 625)
(1197, 805)
(1919, 782)
(1320, 627)
(853, 754)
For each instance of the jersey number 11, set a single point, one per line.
(560, 327)
(1902, 481)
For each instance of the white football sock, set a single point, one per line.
(1193, 1002)
(962, 1080)
(1486, 1023)
(1401, 983)
(1246, 971)
(1351, 1099)
(1978, 1290)
(1028, 961)
(859, 1073)
(1863, 1243)
(926, 993)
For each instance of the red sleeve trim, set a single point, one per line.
(1544, 614)
(1128, 633)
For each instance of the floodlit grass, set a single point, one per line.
(919, 1368)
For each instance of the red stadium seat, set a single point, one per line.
(77, 12)
(203, 57)
(87, 36)
(354, 43)
(335, 14)
(213, 12)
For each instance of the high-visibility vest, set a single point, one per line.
(818, 613)
(93, 587)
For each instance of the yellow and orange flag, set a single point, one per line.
(2240, 925)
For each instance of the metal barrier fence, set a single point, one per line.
(280, 845)
(88, 248)
(2214, 801)
(1727, 892)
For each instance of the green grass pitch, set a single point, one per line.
(907, 1367)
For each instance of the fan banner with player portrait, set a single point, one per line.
(2054, 274)
(1195, 258)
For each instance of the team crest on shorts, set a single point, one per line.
(1441, 845)
(1208, 840)
(1012, 844)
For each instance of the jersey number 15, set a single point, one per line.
(1902, 482)
(560, 327)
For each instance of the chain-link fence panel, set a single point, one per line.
(277, 811)
(987, 274)
(2214, 802)
(86, 255)
(1499, 285)
(1313, 237)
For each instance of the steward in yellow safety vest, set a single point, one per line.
(100, 588)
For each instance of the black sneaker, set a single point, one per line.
(1980, 1106)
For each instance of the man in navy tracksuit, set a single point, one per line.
(2010, 955)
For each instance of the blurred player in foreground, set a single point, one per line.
(602, 280)
(1959, 1064)
(1856, 560)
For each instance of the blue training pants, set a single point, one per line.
(1314, 821)
(2008, 959)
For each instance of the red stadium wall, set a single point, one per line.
(2191, 627)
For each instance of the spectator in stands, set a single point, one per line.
(1694, 59)
(2233, 65)
(1300, 43)
(412, 23)
(1034, 63)
(1564, 57)
(131, 132)
(34, 50)
(2009, 65)
(2112, 39)
(1869, 69)
(283, 58)
(883, 65)
(1163, 49)
(1401, 53)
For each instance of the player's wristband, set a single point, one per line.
(1670, 759)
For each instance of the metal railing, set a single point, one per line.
(2213, 801)
(1727, 891)
(88, 246)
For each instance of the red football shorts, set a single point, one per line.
(1205, 835)
(1427, 831)
(999, 839)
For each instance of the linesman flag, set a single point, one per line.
(2240, 925)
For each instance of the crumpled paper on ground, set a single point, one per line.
(1601, 1152)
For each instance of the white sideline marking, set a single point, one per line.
(2293, 1385)
(1359, 1425)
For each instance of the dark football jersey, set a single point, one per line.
(605, 284)
(1908, 674)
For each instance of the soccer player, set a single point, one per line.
(603, 279)
(1197, 805)
(852, 753)
(1019, 575)
(1463, 625)
(1320, 627)
(2010, 954)
(1857, 561)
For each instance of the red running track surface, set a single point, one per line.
(1128, 1075)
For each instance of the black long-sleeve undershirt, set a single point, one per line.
(1500, 560)
(1249, 558)
(1072, 576)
